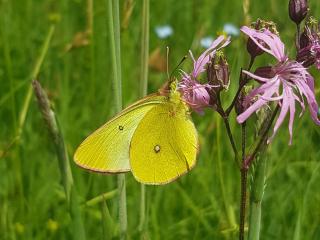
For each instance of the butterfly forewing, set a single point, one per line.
(107, 149)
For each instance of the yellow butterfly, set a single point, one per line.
(153, 138)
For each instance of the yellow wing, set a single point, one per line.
(107, 149)
(164, 145)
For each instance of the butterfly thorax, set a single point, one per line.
(178, 105)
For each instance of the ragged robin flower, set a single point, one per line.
(194, 93)
(289, 82)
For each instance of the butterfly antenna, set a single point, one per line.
(168, 62)
(175, 69)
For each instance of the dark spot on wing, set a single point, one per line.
(156, 148)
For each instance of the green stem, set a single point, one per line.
(257, 191)
(90, 34)
(114, 33)
(63, 159)
(242, 83)
(144, 49)
(244, 175)
(225, 118)
(231, 139)
(243, 202)
(116, 25)
(143, 92)
(227, 204)
(258, 182)
(34, 75)
(262, 140)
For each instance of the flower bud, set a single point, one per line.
(263, 118)
(265, 72)
(304, 39)
(298, 10)
(306, 57)
(253, 49)
(242, 102)
(218, 72)
(239, 105)
(309, 51)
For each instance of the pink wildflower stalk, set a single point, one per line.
(290, 82)
(194, 93)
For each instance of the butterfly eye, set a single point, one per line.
(120, 127)
(156, 148)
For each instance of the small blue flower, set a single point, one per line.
(231, 29)
(164, 31)
(206, 41)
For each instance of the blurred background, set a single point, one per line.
(77, 76)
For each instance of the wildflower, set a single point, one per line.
(287, 75)
(206, 41)
(309, 52)
(194, 93)
(231, 29)
(298, 10)
(164, 31)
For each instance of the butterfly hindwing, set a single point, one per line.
(164, 145)
(107, 149)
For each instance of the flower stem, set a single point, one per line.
(245, 167)
(257, 191)
(262, 140)
(225, 118)
(244, 138)
(242, 83)
(143, 92)
(243, 189)
(298, 37)
(246, 163)
(231, 139)
(114, 33)
(144, 49)
(243, 202)
(221, 176)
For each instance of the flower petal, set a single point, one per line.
(199, 64)
(273, 42)
(292, 108)
(282, 115)
(258, 104)
(262, 79)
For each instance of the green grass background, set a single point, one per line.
(204, 204)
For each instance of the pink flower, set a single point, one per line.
(194, 93)
(290, 82)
